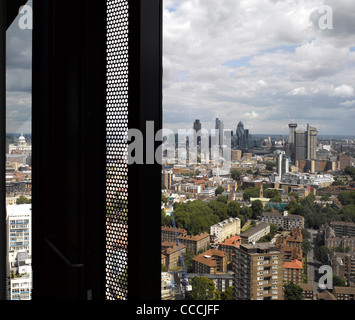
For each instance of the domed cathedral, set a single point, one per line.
(21, 147)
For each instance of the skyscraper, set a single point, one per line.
(197, 128)
(220, 127)
(282, 164)
(302, 144)
(240, 132)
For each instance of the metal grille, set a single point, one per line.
(116, 151)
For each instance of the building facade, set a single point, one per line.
(258, 272)
(225, 229)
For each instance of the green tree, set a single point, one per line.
(228, 294)
(202, 289)
(233, 209)
(270, 165)
(164, 198)
(251, 192)
(293, 291)
(306, 246)
(338, 282)
(322, 254)
(23, 200)
(236, 174)
(257, 207)
(195, 216)
(219, 190)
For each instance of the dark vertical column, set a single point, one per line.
(68, 203)
(2, 150)
(145, 104)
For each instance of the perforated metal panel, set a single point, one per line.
(116, 151)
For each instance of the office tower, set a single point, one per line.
(19, 252)
(292, 129)
(304, 144)
(311, 142)
(258, 272)
(282, 165)
(197, 128)
(166, 178)
(220, 127)
(240, 132)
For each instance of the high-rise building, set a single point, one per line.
(19, 270)
(220, 127)
(258, 272)
(197, 128)
(240, 133)
(303, 144)
(282, 165)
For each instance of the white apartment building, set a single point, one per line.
(19, 251)
(225, 229)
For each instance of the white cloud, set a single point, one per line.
(344, 91)
(348, 103)
(235, 60)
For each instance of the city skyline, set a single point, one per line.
(264, 63)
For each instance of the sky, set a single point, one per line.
(262, 62)
(18, 78)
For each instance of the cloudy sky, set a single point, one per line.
(18, 78)
(262, 62)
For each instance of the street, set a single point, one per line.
(312, 264)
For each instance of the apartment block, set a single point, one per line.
(308, 291)
(225, 229)
(195, 244)
(258, 272)
(255, 233)
(168, 233)
(344, 293)
(343, 228)
(293, 271)
(285, 220)
(19, 251)
(211, 261)
(172, 254)
(229, 245)
(291, 244)
(343, 265)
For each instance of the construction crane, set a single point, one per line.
(185, 281)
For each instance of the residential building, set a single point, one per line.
(343, 265)
(225, 229)
(222, 281)
(168, 233)
(172, 254)
(343, 228)
(229, 245)
(293, 271)
(19, 251)
(196, 243)
(291, 244)
(211, 261)
(258, 272)
(285, 220)
(255, 233)
(308, 291)
(167, 286)
(344, 293)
